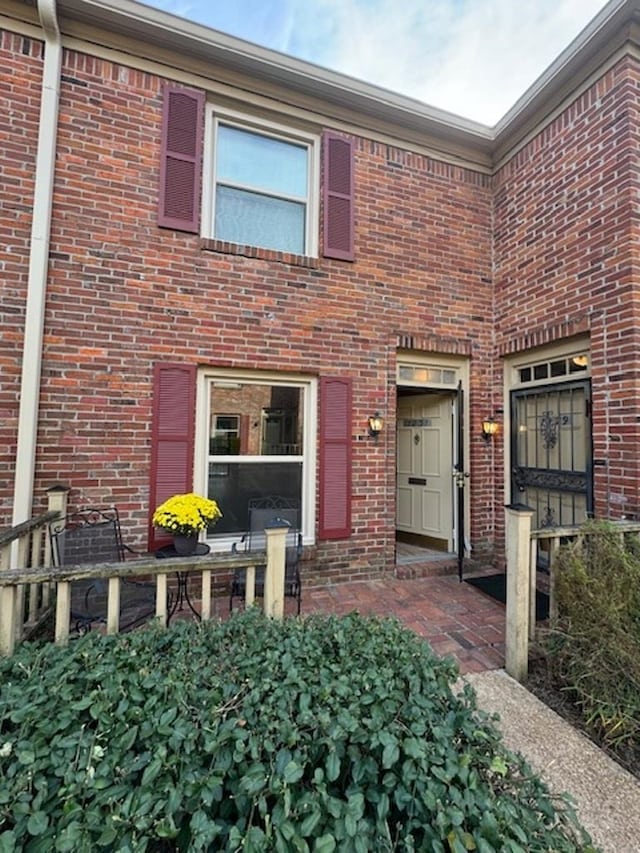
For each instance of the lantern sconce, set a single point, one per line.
(489, 429)
(376, 424)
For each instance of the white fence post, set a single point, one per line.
(113, 606)
(63, 613)
(161, 599)
(554, 547)
(8, 595)
(57, 499)
(518, 532)
(205, 595)
(274, 577)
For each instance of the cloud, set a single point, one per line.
(470, 57)
(266, 23)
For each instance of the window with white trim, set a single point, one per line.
(261, 185)
(554, 369)
(265, 448)
(225, 434)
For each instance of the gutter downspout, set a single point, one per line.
(38, 265)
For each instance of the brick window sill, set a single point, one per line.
(223, 248)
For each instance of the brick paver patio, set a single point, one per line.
(453, 617)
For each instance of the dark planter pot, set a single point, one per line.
(185, 545)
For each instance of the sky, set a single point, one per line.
(474, 58)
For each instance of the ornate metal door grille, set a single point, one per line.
(551, 453)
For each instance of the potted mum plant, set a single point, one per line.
(184, 516)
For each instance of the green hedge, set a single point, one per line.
(594, 651)
(319, 734)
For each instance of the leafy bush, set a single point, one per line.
(594, 652)
(319, 734)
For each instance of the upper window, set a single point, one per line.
(261, 181)
(262, 187)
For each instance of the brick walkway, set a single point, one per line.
(453, 617)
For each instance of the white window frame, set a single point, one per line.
(216, 116)
(235, 432)
(206, 376)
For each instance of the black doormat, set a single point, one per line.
(496, 587)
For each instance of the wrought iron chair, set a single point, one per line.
(261, 512)
(93, 535)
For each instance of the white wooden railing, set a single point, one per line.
(27, 544)
(32, 570)
(523, 548)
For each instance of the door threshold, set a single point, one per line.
(407, 553)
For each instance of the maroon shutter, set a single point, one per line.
(244, 435)
(338, 197)
(181, 159)
(172, 437)
(335, 458)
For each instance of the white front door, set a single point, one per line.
(424, 467)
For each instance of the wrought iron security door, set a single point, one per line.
(551, 452)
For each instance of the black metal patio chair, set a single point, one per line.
(261, 512)
(93, 535)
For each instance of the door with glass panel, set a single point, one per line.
(551, 453)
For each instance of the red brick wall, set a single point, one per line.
(20, 76)
(565, 262)
(554, 231)
(124, 294)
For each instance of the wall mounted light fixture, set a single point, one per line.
(489, 429)
(376, 424)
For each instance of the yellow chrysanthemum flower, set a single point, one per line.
(186, 514)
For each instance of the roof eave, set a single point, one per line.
(590, 50)
(185, 38)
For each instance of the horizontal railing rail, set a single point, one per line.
(10, 534)
(60, 578)
(113, 573)
(133, 568)
(573, 530)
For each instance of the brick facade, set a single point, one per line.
(449, 259)
(566, 262)
(20, 83)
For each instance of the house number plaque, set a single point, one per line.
(417, 422)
